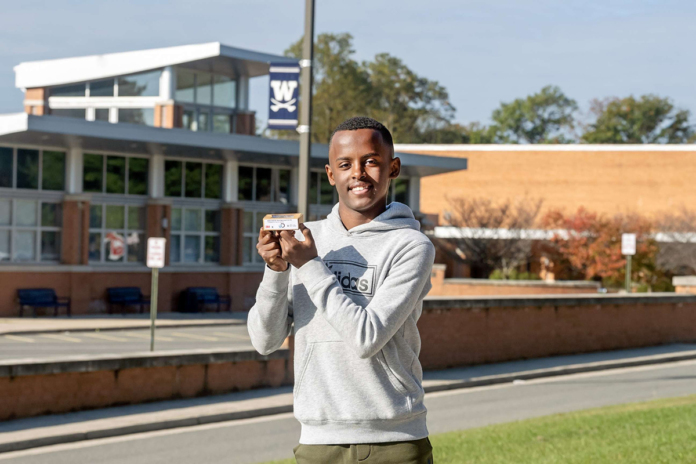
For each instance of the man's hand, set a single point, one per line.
(295, 252)
(269, 249)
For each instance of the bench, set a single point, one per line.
(41, 298)
(126, 296)
(198, 297)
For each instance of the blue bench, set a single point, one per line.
(126, 296)
(196, 299)
(41, 298)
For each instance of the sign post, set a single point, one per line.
(155, 261)
(628, 249)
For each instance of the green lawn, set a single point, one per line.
(662, 431)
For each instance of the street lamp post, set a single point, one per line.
(306, 109)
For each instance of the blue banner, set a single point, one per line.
(284, 93)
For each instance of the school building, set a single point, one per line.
(113, 149)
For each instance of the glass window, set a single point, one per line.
(93, 171)
(194, 180)
(139, 85)
(176, 218)
(6, 167)
(115, 217)
(25, 245)
(188, 120)
(246, 182)
(314, 177)
(175, 249)
(224, 92)
(192, 248)
(204, 88)
(142, 116)
(26, 211)
(172, 178)
(137, 175)
(50, 246)
(53, 173)
(101, 114)
(213, 180)
(212, 220)
(249, 222)
(115, 174)
(78, 113)
(202, 121)
(95, 247)
(72, 90)
(400, 188)
(136, 247)
(283, 191)
(103, 88)
(136, 217)
(50, 215)
(192, 220)
(5, 212)
(221, 123)
(4, 245)
(263, 184)
(326, 190)
(27, 169)
(185, 85)
(95, 216)
(212, 247)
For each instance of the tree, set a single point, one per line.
(538, 118)
(491, 235)
(590, 244)
(414, 108)
(649, 119)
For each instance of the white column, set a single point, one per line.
(231, 179)
(167, 83)
(295, 187)
(243, 93)
(414, 193)
(74, 170)
(156, 179)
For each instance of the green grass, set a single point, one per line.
(662, 431)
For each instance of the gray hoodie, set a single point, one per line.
(354, 307)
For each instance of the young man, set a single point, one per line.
(354, 289)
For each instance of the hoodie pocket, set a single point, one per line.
(336, 385)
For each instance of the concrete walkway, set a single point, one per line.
(86, 425)
(29, 325)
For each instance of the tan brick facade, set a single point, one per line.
(648, 182)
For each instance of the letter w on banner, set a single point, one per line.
(284, 92)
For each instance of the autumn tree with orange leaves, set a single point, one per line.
(590, 245)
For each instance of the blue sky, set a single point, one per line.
(484, 52)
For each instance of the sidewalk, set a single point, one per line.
(87, 425)
(28, 325)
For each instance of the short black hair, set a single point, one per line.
(363, 122)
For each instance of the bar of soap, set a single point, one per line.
(288, 221)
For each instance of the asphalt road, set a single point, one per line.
(262, 439)
(55, 345)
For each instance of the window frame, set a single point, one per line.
(103, 154)
(183, 196)
(13, 228)
(40, 149)
(210, 109)
(201, 234)
(275, 183)
(103, 230)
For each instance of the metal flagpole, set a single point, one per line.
(306, 109)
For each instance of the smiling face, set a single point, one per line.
(360, 167)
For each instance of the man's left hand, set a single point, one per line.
(295, 252)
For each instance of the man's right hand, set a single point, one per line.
(270, 251)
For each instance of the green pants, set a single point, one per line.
(401, 452)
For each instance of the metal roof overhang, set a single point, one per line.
(68, 133)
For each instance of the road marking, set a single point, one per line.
(222, 334)
(194, 337)
(63, 337)
(147, 336)
(105, 337)
(20, 339)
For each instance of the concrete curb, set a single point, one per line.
(134, 327)
(59, 438)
